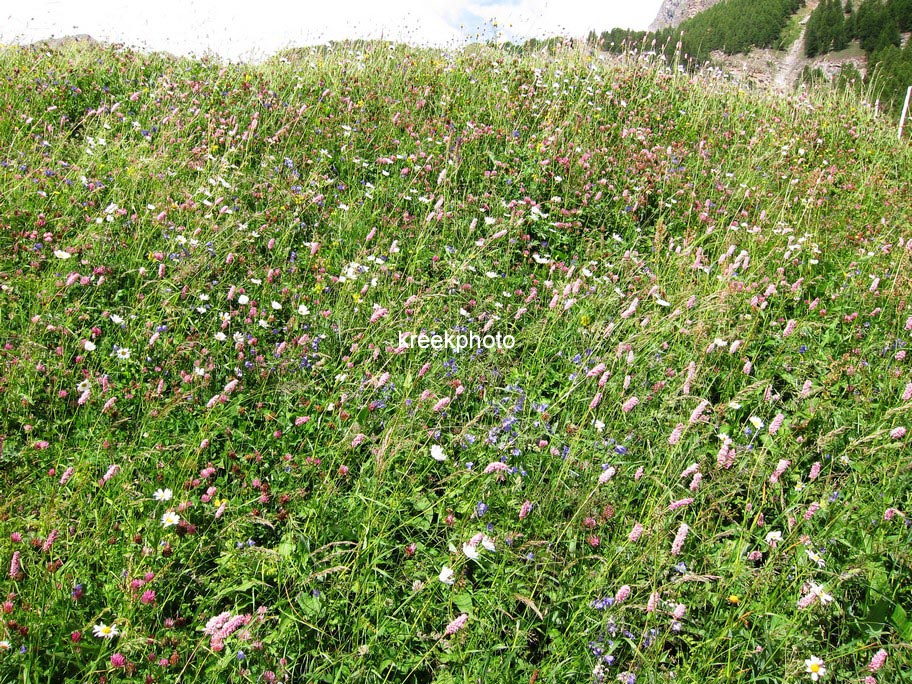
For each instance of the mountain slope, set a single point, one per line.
(673, 12)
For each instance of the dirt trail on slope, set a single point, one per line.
(790, 69)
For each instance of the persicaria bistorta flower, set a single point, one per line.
(689, 470)
(607, 474)
(780, 468)
(697, 414)
(652, 602)
(811, 510)
(525, 509)
(111, 472)
(878, 660)
(630, 310)
(776, 423)
(597, 370)
(456, 625)
(678, 543)
(15, 571)
(222, 626)
(49, 542)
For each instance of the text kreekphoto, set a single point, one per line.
(457, 343)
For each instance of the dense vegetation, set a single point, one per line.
(220, 463)
(877, 26)
(827, 29)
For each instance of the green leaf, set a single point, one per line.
(463, 602)
(900, 620)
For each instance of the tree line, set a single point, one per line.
(878, 27)
(732, 26)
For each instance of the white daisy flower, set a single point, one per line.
(163, 495)
(104, 631)
(170, 518)
(815, 668)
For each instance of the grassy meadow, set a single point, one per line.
(224, 459)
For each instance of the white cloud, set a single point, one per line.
(542, 18)
(238, 29)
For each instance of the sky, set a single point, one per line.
(253, 29)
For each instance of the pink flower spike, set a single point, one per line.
(652, 602)
(630, 404)
(681, 536)
(597, 370)
(67, 474)
(780, 468)
(622, 594)
(776, 423)
(607, 474)
(15, 571)
(525, 509)
(456, 625)
(877, 661)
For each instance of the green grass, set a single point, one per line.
(854, 51)
(793, 29)
(734, 261)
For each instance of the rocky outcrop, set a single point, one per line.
(673, 12)
(64, 41)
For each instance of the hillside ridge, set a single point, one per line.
(673, 12)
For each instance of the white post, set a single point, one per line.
(905, 110)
